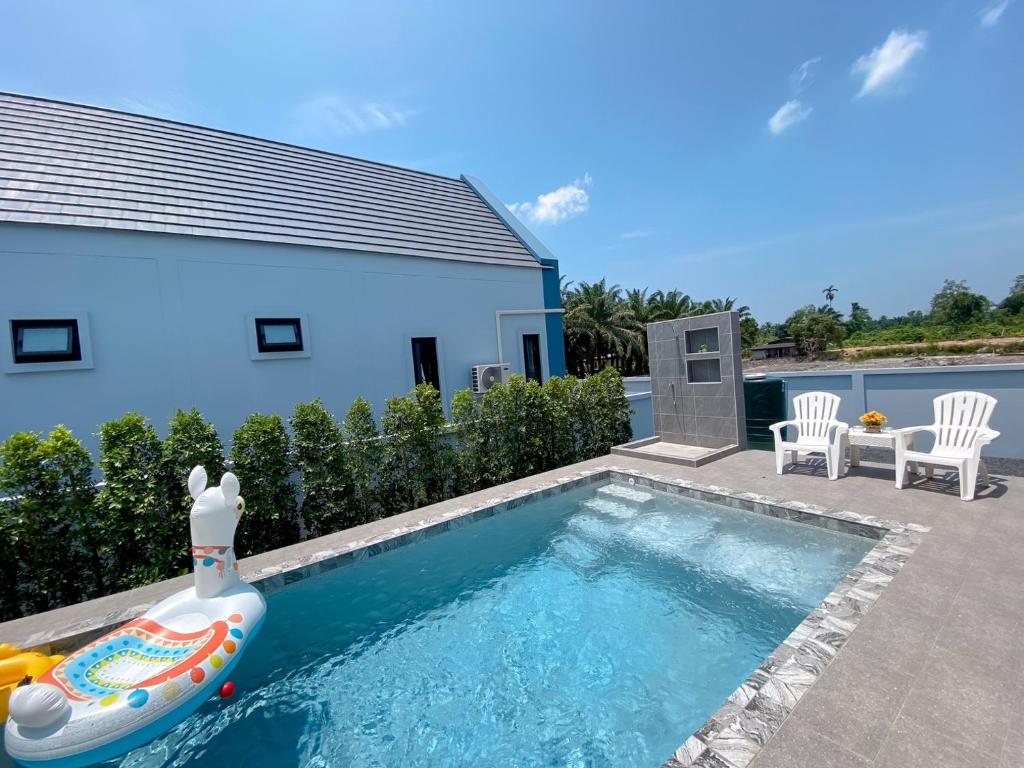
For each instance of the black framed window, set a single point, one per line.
(531, 357)
(278, 334)
(45, 341)
(424, 361)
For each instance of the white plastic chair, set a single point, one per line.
(818, 431)
(960, 430)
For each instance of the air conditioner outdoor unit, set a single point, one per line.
(486, 376)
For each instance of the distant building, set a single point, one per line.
(150, 265)
(784, 347)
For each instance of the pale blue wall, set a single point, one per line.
(167, 315)
(642, 417)
(905, 395)
(638, 392)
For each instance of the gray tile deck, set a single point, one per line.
(930, 676)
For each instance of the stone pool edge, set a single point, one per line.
(736, 731)
(733, 735)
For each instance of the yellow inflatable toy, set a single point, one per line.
(15, 666)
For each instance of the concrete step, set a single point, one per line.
(627, 494)
(605, 506)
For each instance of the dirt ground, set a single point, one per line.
(916, 361)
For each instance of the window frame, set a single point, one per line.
(79, 359)
(437, 361)
(279, 352)
(540, 354)
(266, 347)
(73, 355)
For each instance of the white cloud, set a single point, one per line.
(991, 15)
(637, 234)
(554, 207)
(802, 77)
(886, 62)
(330, 115)
(789, 114)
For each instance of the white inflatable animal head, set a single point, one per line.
(39, 705)
(215, 515)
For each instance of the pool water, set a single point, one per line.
(573, 631)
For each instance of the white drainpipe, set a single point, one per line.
(497, 321)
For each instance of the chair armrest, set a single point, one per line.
(911, 430)
(837, 429)
(777, 426)
(988, 435)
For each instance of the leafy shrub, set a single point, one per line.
(602, 404)
(560, 437)
(320, 458)
(135, 530)
(419, 460)
(471, 437)
(259, 452)
(514, 415)
(191, 441)
(364, 451)
(51, 556)
(520, 428)
(139, 529)
(582, 405)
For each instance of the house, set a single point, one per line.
(784, 347)
(151, 265)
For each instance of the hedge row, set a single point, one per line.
(67, 539)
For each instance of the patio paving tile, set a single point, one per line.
(855, 703)
(911, 745)
(798, 745)
(965, 697)
(894, 637)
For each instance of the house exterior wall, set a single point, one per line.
(169, 314)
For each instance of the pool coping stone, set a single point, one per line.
(733, 735)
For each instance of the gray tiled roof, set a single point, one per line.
(84, 166)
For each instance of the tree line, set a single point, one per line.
(606, 324)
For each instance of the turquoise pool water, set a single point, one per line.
(573, 631)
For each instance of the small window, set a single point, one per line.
(531, 357)
(424, 362)
(702, 340)
(278, 334)
(704, 371)
(45, 341)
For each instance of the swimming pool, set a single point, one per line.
(579, 629)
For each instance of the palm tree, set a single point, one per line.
(598, 323)
(830, 293)
(642, 309)
(671, 305)
(727, 304)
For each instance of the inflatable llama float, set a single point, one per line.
(131, 685)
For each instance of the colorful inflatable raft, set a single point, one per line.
(126, 688)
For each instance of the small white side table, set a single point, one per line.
(858, 436)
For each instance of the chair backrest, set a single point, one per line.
(959, 417)
(812, 412)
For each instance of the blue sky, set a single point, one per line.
(758, 150)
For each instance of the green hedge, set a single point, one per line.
(260, 454)
(66, 539)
